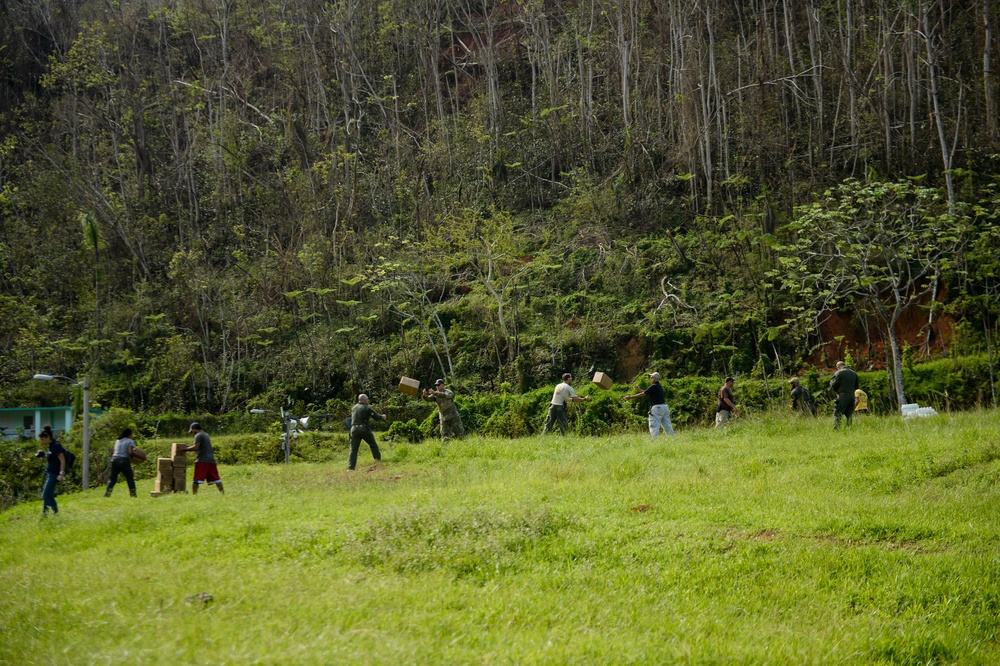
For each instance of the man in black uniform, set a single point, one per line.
(844, 383)
(360, 414)
(802, 399)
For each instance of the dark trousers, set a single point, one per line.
(844, 406)
(358, 434)
(557, 413)
(49, 493)
(121, 466)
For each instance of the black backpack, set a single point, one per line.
(70, 460)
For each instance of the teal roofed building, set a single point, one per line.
(27, 421)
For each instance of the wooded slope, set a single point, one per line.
(211, 203)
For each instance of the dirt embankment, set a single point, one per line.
(862, 335)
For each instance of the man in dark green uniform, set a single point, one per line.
(360, 414)
(451, 422)
(844, 383)
(802, 399)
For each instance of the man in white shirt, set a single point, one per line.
(557, 409)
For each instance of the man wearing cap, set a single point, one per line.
(844, 383)
(726, 406)
(659, 412)
(205, 469)
(451, 422)
(360, 414)
(557, 408)
(802, 399)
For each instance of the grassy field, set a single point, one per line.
(776, 541)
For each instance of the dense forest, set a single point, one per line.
(211, 204)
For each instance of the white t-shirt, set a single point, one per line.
(563, 393)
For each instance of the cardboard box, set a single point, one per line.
(410, 387)
(603, 380)
(155, 494)
(165, 465)
(139, 456)
(173, 449)
(180, 461)
(163, 485)
(180, 486)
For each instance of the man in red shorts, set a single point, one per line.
(205, 470)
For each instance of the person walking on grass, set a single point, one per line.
(361, 413)
(844, 383)
(448, 417)
(802, 400)
(659, 412)
(726, 405)
(557, 408)
(55, 469)
(860, 401)
(205, 469)
(121, 462)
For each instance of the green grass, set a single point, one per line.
(776, 541)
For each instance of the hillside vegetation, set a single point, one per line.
(772, 542)
(210, 206)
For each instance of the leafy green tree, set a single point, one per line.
(885, 243)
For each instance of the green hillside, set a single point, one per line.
(206, 207)
(776, 541)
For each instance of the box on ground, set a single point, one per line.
(603, 380)
(409, 386)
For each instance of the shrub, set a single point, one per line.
(405, 431)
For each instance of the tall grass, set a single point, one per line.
(775, 541)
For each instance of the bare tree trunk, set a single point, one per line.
(925, 348)
(935, 102)
(816, 60)
(989, 358)
(988, 71)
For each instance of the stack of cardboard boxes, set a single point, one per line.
(171, 473)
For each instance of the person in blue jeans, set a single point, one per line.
(55, 469)
(659, 412)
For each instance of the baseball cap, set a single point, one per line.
(440, 381)
(730, 379)
(195, 426)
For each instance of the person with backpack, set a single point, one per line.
(55, 469)
(121, 462)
